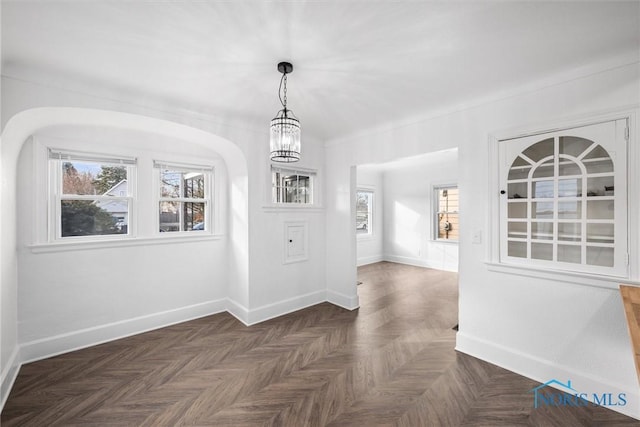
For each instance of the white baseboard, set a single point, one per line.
(543, 370)
(269, 311)
(63, 343)
(9, 375)
(238, 311)
(342, 300)
(52, 346)
(417, 262)
(369, 260)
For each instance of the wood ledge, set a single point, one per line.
(631, 301)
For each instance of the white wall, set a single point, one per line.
(370, 247)
(538, 327)
(408, 208)
(63, 290)
(257, 284)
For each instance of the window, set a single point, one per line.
(184, 198)
(446, 213)
(292, 186)
(364, 212)
(564, 199)
(92, 195)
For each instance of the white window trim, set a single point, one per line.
(434, 211)
(54, 157)
(492, 243)
(210, 213)
(271, 206)
(41, 200)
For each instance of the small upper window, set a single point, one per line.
(446, 213)
(91, 194)
(292, 186)
(184, 198)
(364, 212)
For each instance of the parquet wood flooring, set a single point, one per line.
(391, 362)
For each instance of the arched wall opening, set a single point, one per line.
(17, 131)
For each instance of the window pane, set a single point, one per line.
(517, 249)
(570, 231)
(600, 186)
(92, 178)
(194, 185)
(542, 189)
(541, 210)
(182, 216)
(517, 230)
(544, 170)
(170, 183)
(570, 187)
(570, 253)
(568, 167)
(517, 210)
(517, 190)
(600, 233)
(364, 204)
(600, 209)
(447, 213)
(87, 218)
(573, 145)
(600, 256)
(169, 216)
(542, 230)
(542, 251)
(599, 165)
(570, 210)
(448, 227)
(291, 187)
(539, 150)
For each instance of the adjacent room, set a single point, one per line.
(319, 213)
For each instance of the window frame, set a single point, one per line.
(436, 211)
(208, 200)
(370, 213)
(55, 159)
(625, 128)
(313, 185)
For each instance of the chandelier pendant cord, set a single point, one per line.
(280, 92)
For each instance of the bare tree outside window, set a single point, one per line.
(90, 203)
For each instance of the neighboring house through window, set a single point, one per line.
(364, 212)
(91, 195)
(446, 215)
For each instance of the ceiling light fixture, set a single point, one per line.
(285, 127)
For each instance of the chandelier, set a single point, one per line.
(285, 127)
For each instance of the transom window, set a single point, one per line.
(184, 199)
(92, 195)
(447, 224)
(564, 201)
(292, 186)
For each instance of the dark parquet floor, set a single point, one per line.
(392, 362)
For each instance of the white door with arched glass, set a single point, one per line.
(564, 199)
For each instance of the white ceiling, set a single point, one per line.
(356, 64)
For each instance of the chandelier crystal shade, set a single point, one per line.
(285, 127)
